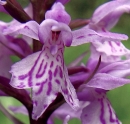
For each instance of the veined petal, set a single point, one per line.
(118, 69)
(55, 80)
(47, 75)
(107, 19)
(107, 59)
(106, 81)
(22, 71)
(29, 29)
(111, 48)
(51, 79)
(99, 111)
(19, 110)
(86, 35)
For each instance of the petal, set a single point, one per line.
(109, 18)
(106, 81)
(47, 75)
(104, 58)
(24, 47)
(115, 48)
(58, 13)
(19, 110)
(85, 35)
(117, 69)
(99, 111)
(29, 29)
(10, 116)
(51, 86)
(22, 70)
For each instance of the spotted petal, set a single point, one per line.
(52, 78)
(108, 14)
(29, 29)
(86, 35)
(109, 50)
(99, 111)
(47, 75)
(111, 76)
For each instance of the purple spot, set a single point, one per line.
(112, 48)
(59, 58)
(56, 71)
(111, 119)
(47, 56)
(57, 81)
(50, 75)
(51, 64)
(37, 84)
(49, 88)
(22, 77)
(44, 106)
(80, 37)
(102, 112)
(40, 75)
(21, 85)
(61, 73)
(118, 43)
(31, 71)
(26, 27)
(41, 88)
(89, 34)
(65, 91)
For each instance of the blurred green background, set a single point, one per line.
(120, 97)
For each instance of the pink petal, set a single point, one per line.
(29, 29)
(86, 35)
(99, 111)
(107, 81)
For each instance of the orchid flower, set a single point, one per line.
(110, 49)
(45, 71)
(105, 17)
